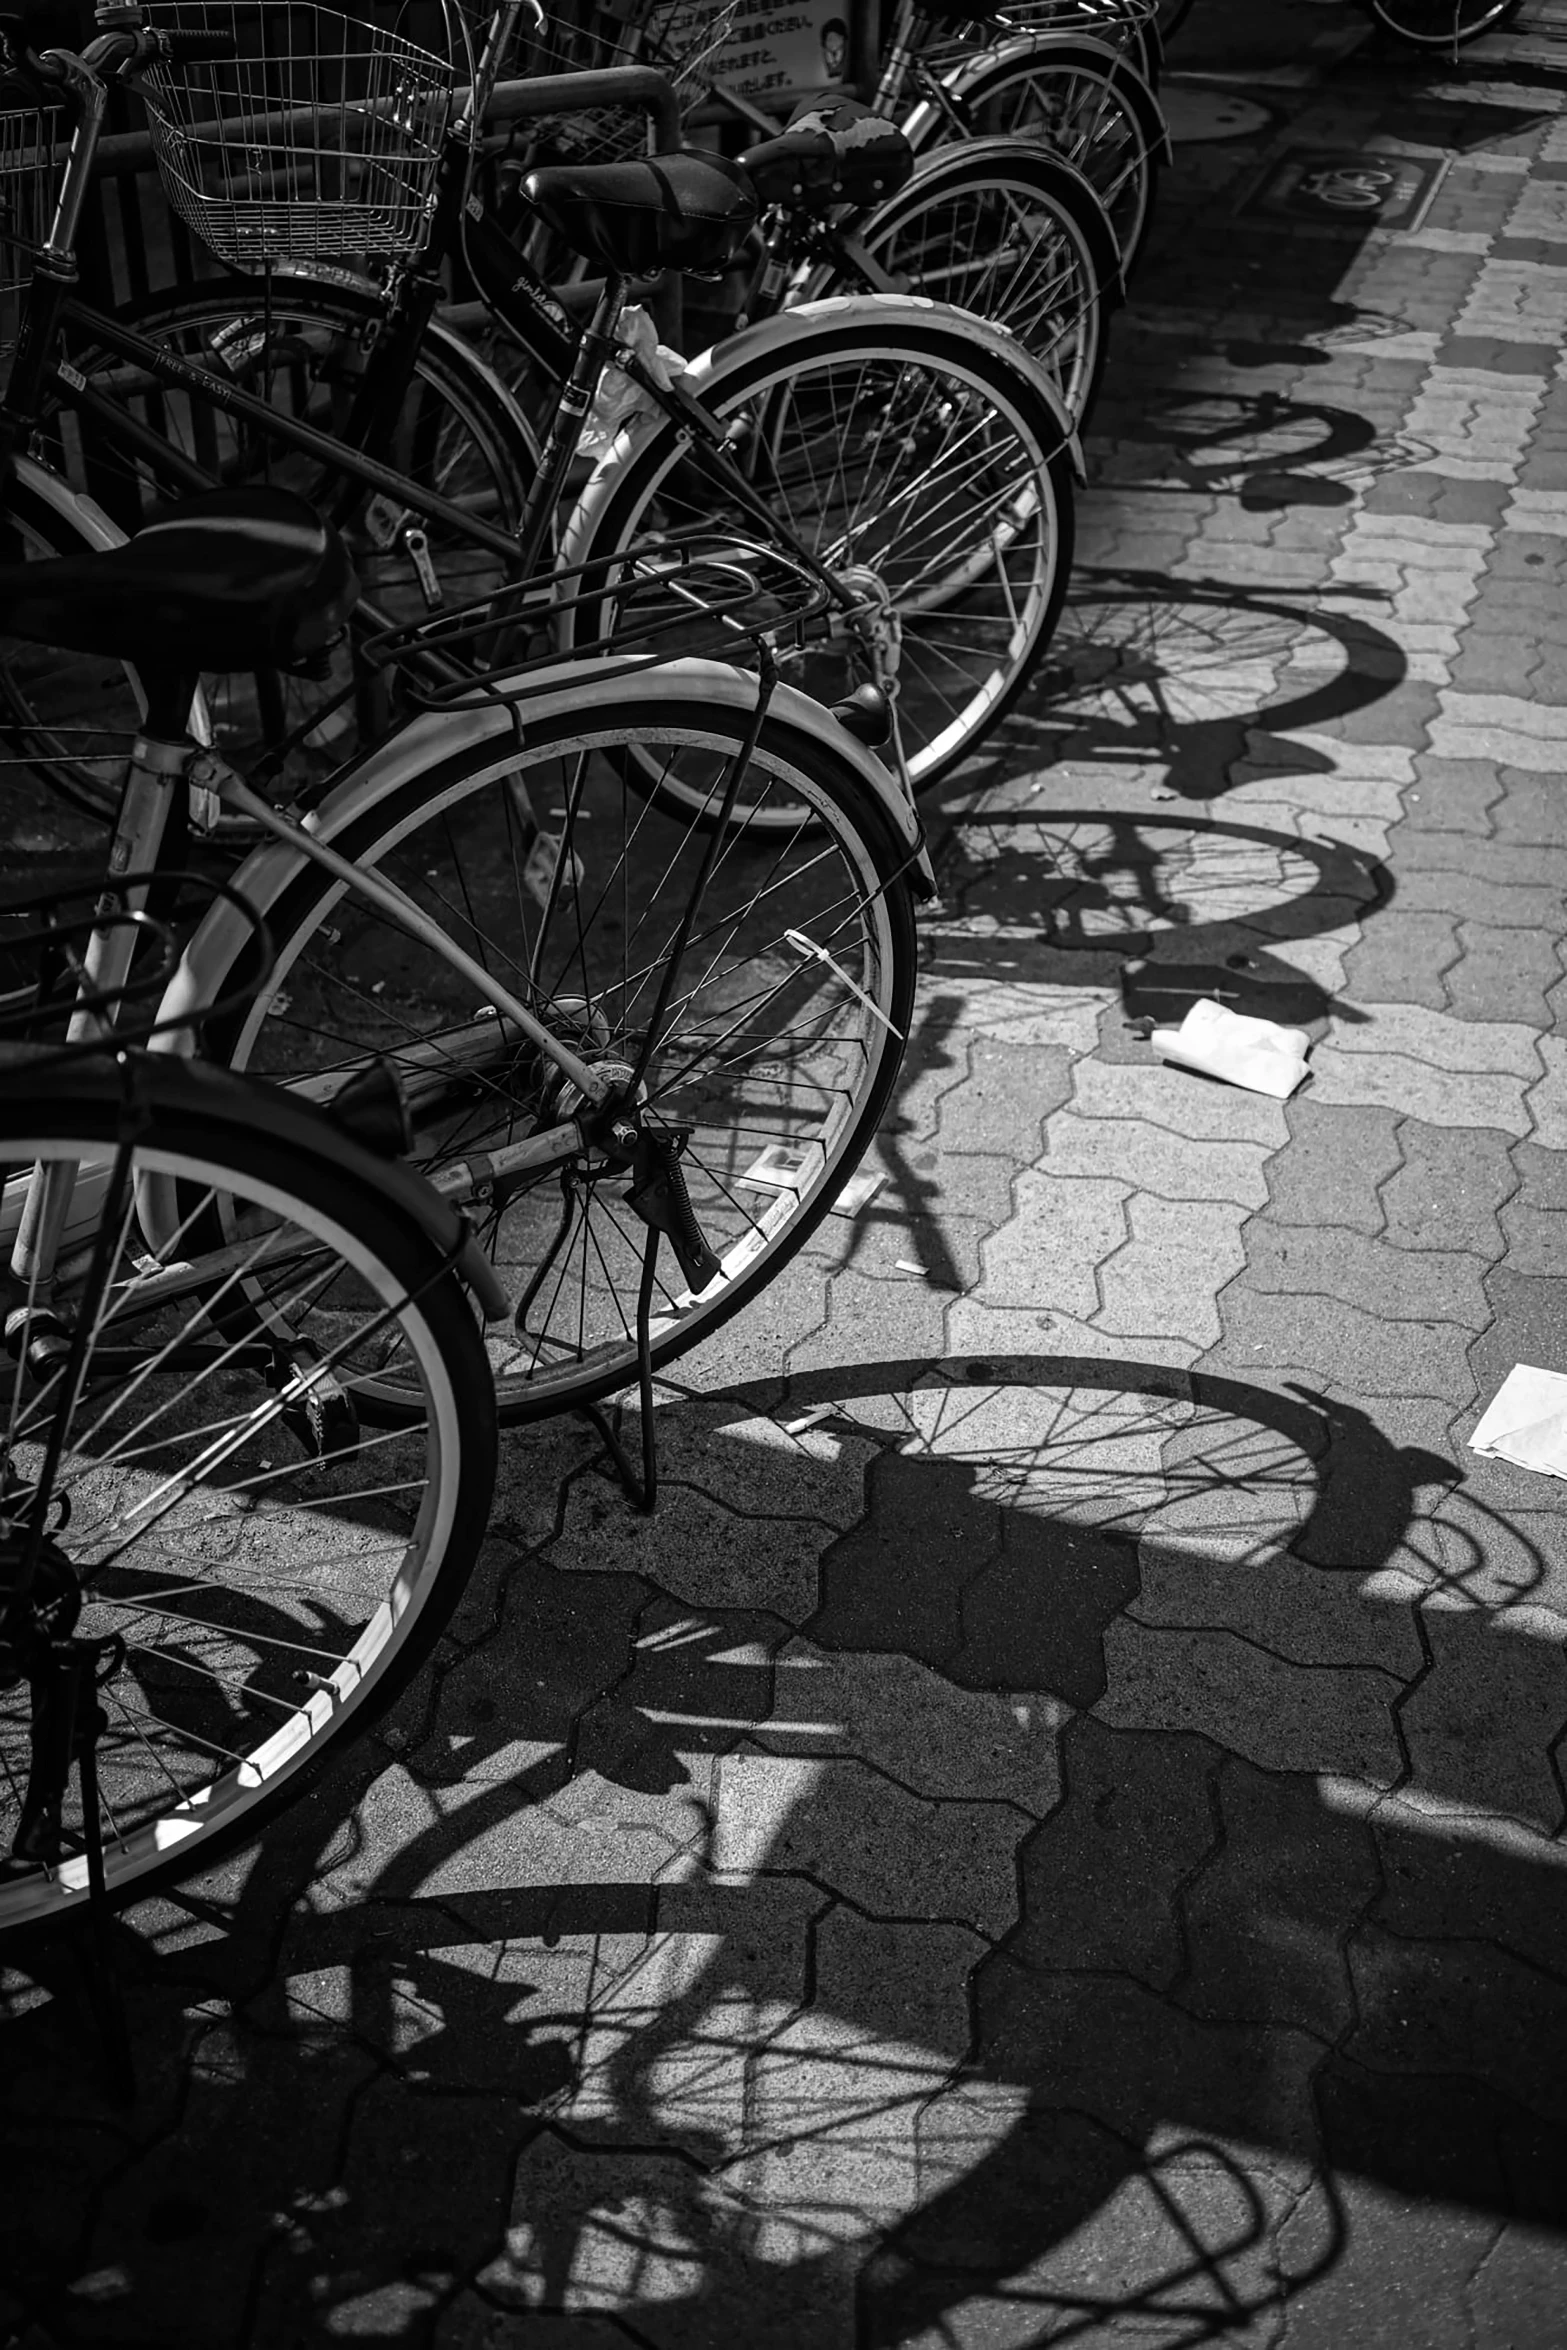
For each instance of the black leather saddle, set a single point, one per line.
(834, 152)
(238, 579)
(686, 212)
(961, 11)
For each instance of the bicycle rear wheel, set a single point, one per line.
(919, 454)
(782, 1041)
(270, 1576)
(1017, 236)
(302, 345)
(1092, 109)
(1442, 24)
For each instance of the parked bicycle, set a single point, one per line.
(210, 1568)
(917, 464)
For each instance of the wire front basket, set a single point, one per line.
(31, 159)
(320, 137)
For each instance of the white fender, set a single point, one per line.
(791, 330)
(925, 122)
(86, 517)
(436, 735)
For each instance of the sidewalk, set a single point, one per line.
(1054, 1833)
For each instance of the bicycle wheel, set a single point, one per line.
(921, 455)
(997, 227)
(1441, 24)
(302, 345)
(1083, 102)
(782, 1040)
(70, 716)
(269, 1577)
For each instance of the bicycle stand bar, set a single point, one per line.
(641, 1490)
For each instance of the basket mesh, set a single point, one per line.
(31, 159)
(320, 137)
(680, 37)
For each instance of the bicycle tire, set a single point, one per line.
(1081, 100)
(789, 1025)
(1441, 24)
(256, 1643)
(1015, 235)
(929, 531)
(300, 340)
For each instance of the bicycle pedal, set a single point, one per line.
(322, 1417)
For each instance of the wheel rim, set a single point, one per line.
(1085, 118)
(910, 471)
(996, 251)
(306, 366)
(260, 1594)
(778, 1044)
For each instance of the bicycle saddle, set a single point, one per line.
(686, 212)
(951, 12)
(238, 579)
(831, 153)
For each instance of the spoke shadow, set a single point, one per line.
(794, 2061)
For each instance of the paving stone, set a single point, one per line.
(859, 1833)
(1268, 1913)
(1321, 1338)
(1454, 795)
(666, 2247)
(1449, 1188)
(1530, 1220)
(1101, 1878)
(1061, 1231)
(1457, 2007)
(1161, 1282)
(1334, 1166)
(1481, 1726)
(1448, 1874)
(916, 1726)
(1305, 1615)
(1153, 1160)
(1402, 959)
(1409, 1284)
(1253, 1703)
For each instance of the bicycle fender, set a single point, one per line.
(789, 330)
(92, 525)
(1073, 189)
(923, 123)
(436, 735)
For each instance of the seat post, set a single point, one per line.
(594, 353)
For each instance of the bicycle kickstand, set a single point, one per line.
(658, 1195)
(68, 1722)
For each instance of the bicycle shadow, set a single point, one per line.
(666, 2092)
(1209, 681)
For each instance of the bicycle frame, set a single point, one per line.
(518, 299)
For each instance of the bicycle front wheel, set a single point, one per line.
(999, 228)
(916, 453)
(264, 1576)
(772, 1063)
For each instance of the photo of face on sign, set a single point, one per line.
(835, 48)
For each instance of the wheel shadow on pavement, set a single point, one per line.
(1254, 1949)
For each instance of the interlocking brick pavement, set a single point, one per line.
(1055, 1832)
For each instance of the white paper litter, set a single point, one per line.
(1257, 1054)
(1526, 1421)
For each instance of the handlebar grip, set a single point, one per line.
(195, 45)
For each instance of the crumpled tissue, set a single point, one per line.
(1526, 1421)
(1258, 1054)
(620, 400)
